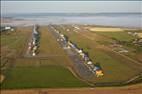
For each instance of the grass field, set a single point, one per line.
(48, 44)
(121, 36)
(126, 40)
(48, 69)
(16, 40)
(41, 77)
(12, 45)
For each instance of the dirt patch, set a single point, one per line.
(139, 57)
(116, 90)
(2, 77)
(105, 29)
(140, 35)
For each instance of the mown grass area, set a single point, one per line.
(114, 69)
(48, 44)
(15, 40)
(50, 48)
(27, 62)
(120, 36)
(12, 45)
(41, 77)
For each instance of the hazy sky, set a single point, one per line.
(70, 6)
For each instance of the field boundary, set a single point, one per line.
(135, 79)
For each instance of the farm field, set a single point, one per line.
(53, 68)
